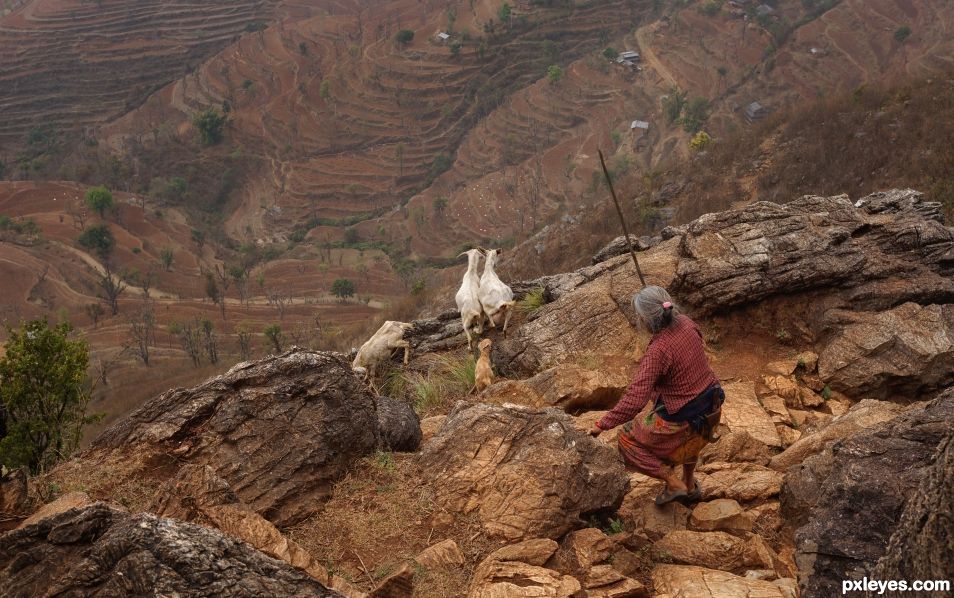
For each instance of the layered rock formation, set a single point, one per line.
(278, 431)
(526, 473)
(99, 550)
(850, 497)
(875, 254)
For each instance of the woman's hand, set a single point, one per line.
(595, 431)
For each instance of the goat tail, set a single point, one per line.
(507, 305)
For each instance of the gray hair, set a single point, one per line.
(654, 305)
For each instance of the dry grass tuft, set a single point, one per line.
(379, 517)
(128, 480)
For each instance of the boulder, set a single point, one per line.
(764, 249)
(785, 387)
(699, 582)
(14, 494)
(742, 412)
(735, 447)
(580, 551)
(99, 550)
(849, 498)
(525, 472)
(197, 495)
(399, 424)
(70, 500)
(515, 571)
(619, 246)
(587, 321)
(641, 513)
(806, 361)
(280, 431)
(722, 514)
(574, 388)
(603, 581)
(714, 550)
(904, 352)
(865, 414)
(788, 435)
(430, 426)
(922, 545)
(441, 555)
(742, 482)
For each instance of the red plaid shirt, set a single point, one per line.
(674, 366)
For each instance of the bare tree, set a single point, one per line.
(190, 339)
(209, 342)
(147, 279)
(95, 312)
(244, 342)
(104, 366)
(280, 300)
(142, 329)
(113, 286)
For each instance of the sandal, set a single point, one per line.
(696, 494)
(666, 497)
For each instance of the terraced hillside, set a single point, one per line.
(351, 123)
(76, 64)
(49, 273)
(796, 55)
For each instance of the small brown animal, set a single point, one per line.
(483, 375)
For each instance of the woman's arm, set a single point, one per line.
(653, 365)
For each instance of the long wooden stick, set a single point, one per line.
(622, 220)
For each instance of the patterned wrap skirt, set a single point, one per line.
(651, 445)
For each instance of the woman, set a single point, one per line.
(687, 399)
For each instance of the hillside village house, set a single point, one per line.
(442, 37)
(755, 111)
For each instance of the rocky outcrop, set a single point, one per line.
(13, 493)
(904, 352)
(715, 550)
(619, 246)
(863, 415)
(735, 447)
(526, 473)
(849, 498)
(742, 412)
(99, 550)
(922, 545)
(589, 321)
(888, 249)
(674, 581)
(197, 495)
(515, 571)
(70, 500)
(723, 514)
(399, 424)
(741, 482)
(279, 431)
(571, 387)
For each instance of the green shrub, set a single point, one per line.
(210, 124)
(902, 33)
(404, 36)
(533, 300)
(44, 392)
(99, 199)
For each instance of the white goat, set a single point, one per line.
(380, 346)
(495, 297)
(467, 299)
